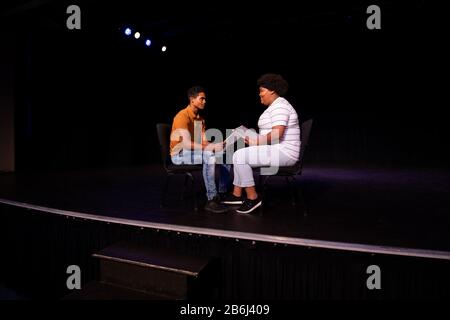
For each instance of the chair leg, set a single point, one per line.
(260, 181)
(302, 202)
(297, 196)
(263, 183)
(164, 193)
(292, 188)
(186, 179)
(194, 194)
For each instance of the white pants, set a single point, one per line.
(258, 156)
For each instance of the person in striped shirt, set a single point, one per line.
(277, 144)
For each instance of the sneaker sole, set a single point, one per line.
(253, 208)
(232, 202)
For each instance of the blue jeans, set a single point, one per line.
(208, 159)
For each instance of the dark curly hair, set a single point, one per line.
(194, 91)
(274, 82)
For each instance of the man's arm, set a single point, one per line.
(184, 139)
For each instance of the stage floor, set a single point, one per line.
(387, 210)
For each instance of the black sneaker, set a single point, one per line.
(230, 198)
(215, 206)
(249, 205)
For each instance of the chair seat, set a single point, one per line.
(283, 171)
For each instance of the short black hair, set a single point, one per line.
(195, 91)
(274, 82)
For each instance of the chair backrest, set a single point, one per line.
(305, 131)
(164, 130)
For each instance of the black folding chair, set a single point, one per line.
(290, 172)
(171, 169)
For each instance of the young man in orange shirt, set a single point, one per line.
(188, 145)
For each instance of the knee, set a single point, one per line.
(208, 157)
(239, 157)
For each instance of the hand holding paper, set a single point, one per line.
(241, 132)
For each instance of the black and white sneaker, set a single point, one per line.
(230, 198)
(249, 205)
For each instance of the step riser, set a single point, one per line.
(145, 279)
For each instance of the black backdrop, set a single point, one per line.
(91, 97)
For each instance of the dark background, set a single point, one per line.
(91, 98)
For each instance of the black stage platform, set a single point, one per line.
(394, 211)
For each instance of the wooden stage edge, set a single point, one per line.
(344, 246)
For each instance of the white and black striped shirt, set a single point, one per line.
(281, 113)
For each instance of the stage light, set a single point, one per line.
(148, 42)
(164, 48)
(128, 31)
(137, 35)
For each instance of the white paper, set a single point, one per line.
(240, 132)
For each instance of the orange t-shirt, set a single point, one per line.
(187, 120)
